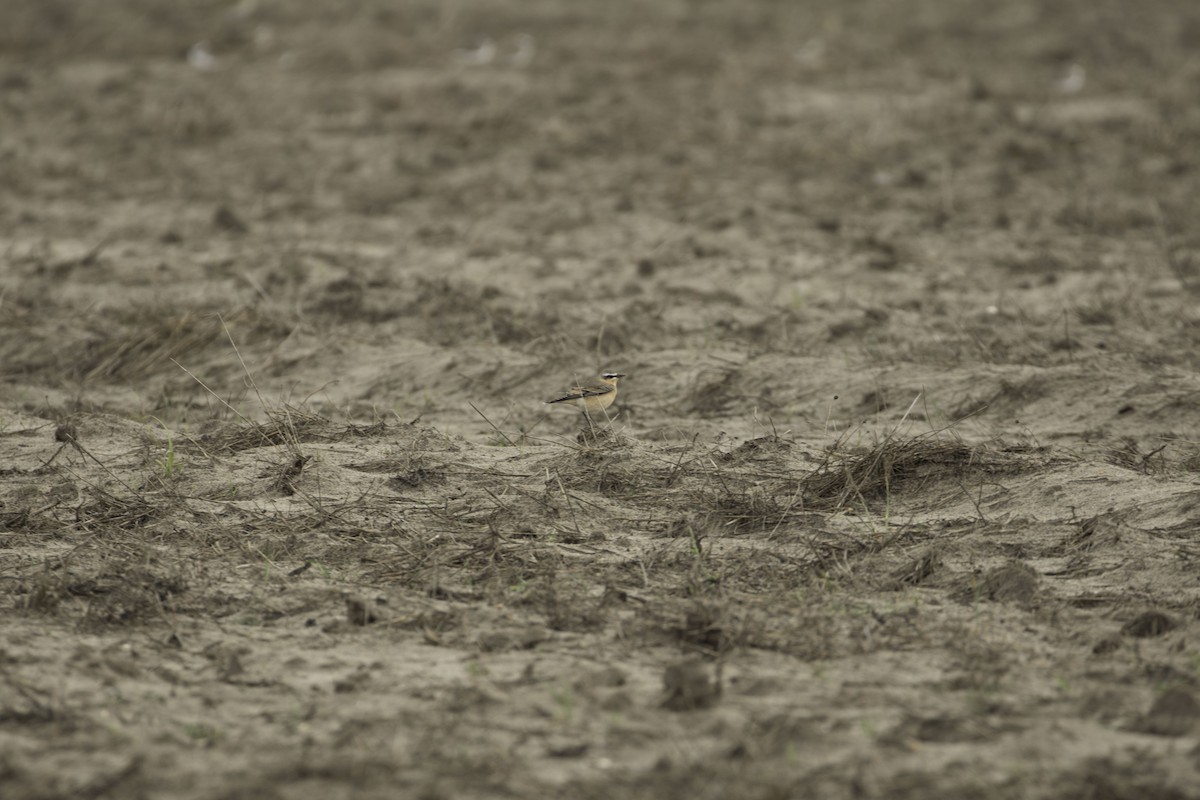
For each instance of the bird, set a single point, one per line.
(595, 398)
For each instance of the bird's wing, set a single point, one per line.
(591, 391)
(580, 392)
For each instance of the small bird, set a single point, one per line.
(592, 399)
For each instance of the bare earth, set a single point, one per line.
(901, 497)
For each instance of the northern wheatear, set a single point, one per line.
(592, 399)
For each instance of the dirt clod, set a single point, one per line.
(1149, 624)
(359, 611)
(1012, 583)
(691, 684)
(226, 220)
(1175, 712)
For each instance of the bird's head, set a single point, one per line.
(612, 376)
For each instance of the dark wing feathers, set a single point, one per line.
(580, 392)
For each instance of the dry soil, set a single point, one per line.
(900, 499)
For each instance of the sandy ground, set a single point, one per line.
(900, 498)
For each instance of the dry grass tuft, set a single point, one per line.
(148, 346)
(375, 430)
(109, 511)
(129, 592)
(1149, 624)
(608, 463)
(606, 473)
(284, 426)
(916, 572)
(748, 510)
(764, 447)
(416, 476)
(287, 476)
(846, 479)
(118, 593)
(1128, 454)
(601, 438)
